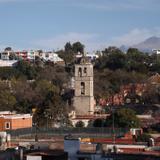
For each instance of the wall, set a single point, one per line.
(15, 123)
(21, 123)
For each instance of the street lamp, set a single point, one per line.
(47, 114)
(113, 125)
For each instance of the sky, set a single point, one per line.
(49, 24)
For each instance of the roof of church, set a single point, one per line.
(85, 60)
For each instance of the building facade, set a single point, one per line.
(15, 121)
(84, 99)
(156, 51)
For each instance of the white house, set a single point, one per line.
(7, 63)
(156, 51)
(50, 56)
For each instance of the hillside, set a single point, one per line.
(145, 46)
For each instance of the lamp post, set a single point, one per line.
(113, 126)
(47, 114)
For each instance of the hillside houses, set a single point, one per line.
(10, 57)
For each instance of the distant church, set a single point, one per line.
(84, 98)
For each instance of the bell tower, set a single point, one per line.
(84, 99)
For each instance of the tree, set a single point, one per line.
(136, 55)
(98, 123)
(49, 104)
(7, 99)
(116, 60)
(78, 47)
(67, 56)
(7, 73)
(90, 123)
(155, 66)
(123, 118)
(80, 124)
(8, 49)
(111, 50)
(106, 83)
(67, 96)
(52, 110)
(152, 94)
(136, 60)
(25, 68)
(43, 89)
(56, 106)
(25, 95)
(68, 47)
(111, 58)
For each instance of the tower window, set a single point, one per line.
(85, 70)
(80, 72)
(82, 88)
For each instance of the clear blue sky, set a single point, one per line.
(49, 24)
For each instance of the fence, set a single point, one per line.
(77, 132)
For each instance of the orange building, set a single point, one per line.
(15, 121)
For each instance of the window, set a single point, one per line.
(82, 88)
(47, 55)
(80, 72)
(7, 125)
(85, 70)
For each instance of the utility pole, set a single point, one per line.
(113, 126)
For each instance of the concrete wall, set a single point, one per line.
(84, 105)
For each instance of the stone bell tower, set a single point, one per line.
(84, 99)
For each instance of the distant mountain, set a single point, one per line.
(145, 46)
(149, 44)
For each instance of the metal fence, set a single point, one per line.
(79, 132)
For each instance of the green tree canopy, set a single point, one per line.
(25, 68)
(8, 49)
(79, 124)
(98, 123)
(136, 60)
(123, 118)
(7, 99)
(68, 47)
(78, 47)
